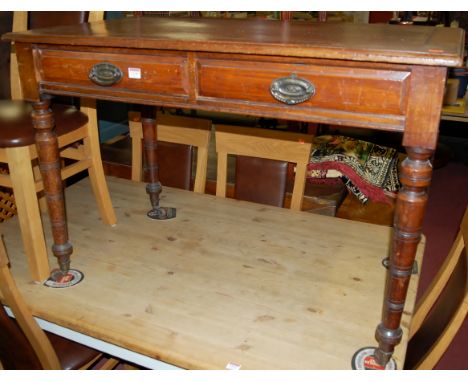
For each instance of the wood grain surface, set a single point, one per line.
(226, 281)
(344, 41)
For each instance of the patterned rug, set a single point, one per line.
(370, 171)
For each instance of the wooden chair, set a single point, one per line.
(174, 129)
(441, 311)
(266, 144)
(24, 345)
(78, 138)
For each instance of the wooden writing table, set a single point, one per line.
(381, 77)
(227, 281)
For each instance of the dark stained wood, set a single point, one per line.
(416, 173)
(374, 76)
(150, 143)
(343, 41)
(19, 131)
(154, 187)
(160, 73)
(49, 164)
(337, 88)
(26, 67)
(222, 83)
(423, 114)
(45, 19)
(6, 19)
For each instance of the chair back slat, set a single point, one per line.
(37, 339)
(267, 144)
(442, 309)
(176, 130)
(20, 24)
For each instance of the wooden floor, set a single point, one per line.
(226, 281)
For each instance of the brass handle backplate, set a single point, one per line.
(292, 90)
(105, 74)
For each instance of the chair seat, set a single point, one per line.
(17, 354)
(72, 355)
(16, 128)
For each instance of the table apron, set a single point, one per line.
(371, 95)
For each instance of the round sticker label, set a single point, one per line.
(57, 280)
(364, 359)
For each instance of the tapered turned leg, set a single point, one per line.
(49, 165)
(416, 172)
(153, 188)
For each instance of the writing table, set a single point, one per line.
(380, 77)
(226, 281)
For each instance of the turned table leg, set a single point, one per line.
(49, 164)
(154, 187)
(416, 172)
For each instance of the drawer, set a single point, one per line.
(141, 73)
(354, 89)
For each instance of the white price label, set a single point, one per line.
(233, 366)
(134, 73)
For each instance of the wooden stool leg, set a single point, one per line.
(29, 216)
(49, 164)
(153, 188)
(41, 197)
(416, 172)
(96, 171)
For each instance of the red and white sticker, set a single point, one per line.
(364, 359)
(57, 280)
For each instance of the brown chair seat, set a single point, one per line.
(16, 353)
(72, 355)
(16, 128)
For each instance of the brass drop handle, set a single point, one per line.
(292, 90)
(105, 74)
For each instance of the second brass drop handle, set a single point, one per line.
(292, 90)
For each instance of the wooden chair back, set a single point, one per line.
(20, 23)
(262, 143)
(25, 346)
(441, 311)
(37, 344)
(174, 129)
(72, 128)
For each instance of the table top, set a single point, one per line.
(226, 281)
(345, 41)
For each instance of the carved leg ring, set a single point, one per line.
(49, 164)
(416, 173)
(154, 187)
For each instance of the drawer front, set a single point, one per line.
(353, 89)
(156, 73)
